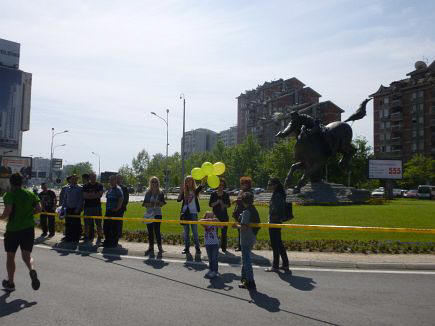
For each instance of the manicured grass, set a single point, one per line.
(402, 213)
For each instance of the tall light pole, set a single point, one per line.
(182, 97)
(99, 165)
(167, 145)
(53, 134)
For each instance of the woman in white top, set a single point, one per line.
(153, 201)
(189, 195)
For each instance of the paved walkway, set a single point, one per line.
(260, 257)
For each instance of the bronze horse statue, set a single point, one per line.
(317, 143)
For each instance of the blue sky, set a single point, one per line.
(100, 67)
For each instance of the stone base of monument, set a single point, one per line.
(322, 193)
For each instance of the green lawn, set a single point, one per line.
(402, 213)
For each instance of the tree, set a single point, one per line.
(418, 170)
(140, 165)
(127, 173)
(79, 169)
(280, 158)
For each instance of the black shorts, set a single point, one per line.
(23, 239)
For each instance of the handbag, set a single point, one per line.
(149, 214)
(185, 215)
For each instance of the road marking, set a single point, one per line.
(305, 269)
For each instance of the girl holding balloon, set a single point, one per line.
(189, 194)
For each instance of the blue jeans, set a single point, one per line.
(247, 272)
(213, 254)
(194, 227)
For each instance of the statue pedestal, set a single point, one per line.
(321, 193)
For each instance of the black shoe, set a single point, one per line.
(35, 282)
(149, 252)
(185, 251)
(198, 252)
(251, 286)
(286, 269)
(242, 284)
(51, 235)
(8, 285)
(44, 234)
(224, 250)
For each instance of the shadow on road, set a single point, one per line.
(298, 282)
(8, 308)
(261, 300)
(156, 263)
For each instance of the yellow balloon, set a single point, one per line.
(197, 173)
(207, 168)
(213, 181)
(218, 168)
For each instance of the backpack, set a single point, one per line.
(288, 212)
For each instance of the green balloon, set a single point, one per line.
(197, 173)
(207, 168)
(213, 181)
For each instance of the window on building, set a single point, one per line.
(420, 93)
(380, 114)
(383, 149)
(382, 137)
(421, 132)
(414, 133)
(420, 108)
(387, 125)
(388, 136)
(414, 147)
(414, 109)
(420, 120)
(385, 112)
(421, 146)
(382, 125)
(414, 95)
(386, 100)
(388, 148)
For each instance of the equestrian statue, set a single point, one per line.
(316, 143)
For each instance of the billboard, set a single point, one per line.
(385, 169)
(16, 164)
(56, 164)
(9, 54)
(15, 90)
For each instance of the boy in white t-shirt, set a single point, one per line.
(211, 242)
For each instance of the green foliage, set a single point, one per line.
(79, 169)
(418, 170)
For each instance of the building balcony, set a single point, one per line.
(397, 116)
(396, 141)
(396, 103)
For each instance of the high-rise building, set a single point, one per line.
(15, 92)
(228, 136)
(404, 115)
(263, 111)
(199, 141)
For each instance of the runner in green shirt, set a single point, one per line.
(20, 206)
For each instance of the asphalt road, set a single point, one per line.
(78, 289)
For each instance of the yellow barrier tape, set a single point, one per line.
(262, 225)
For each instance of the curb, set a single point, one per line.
(233, 260)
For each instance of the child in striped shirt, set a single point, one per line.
(211, 242)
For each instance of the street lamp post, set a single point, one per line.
(53, 134)
(167, 145)
(99, 165)
(182, 97)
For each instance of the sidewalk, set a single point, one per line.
(260, 257)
